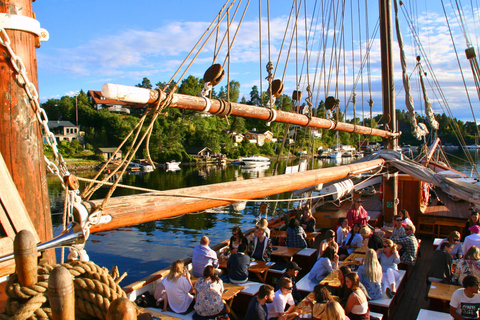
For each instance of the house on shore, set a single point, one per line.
(65, 130)
(199, 152)
(108, 152)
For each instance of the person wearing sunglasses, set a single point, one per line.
(454, 238)
(409, 243)
(398, 230)
(283, 296)
(389, 259)
(357, 214)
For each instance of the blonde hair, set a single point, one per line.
(392, 245)
(263, 223)
(373, 269)
(411, 227)
(334, 311)
(473, 253)
(365, 231)
(176, 270)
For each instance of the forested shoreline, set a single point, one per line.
(178, 130)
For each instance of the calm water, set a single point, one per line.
(145, 248)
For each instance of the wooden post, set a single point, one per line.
(20, 137)
(61, 294)
(388, 102)
(25, 251)
(122, 309)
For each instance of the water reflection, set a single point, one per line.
(145, 248)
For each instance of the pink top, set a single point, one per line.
(357, 216)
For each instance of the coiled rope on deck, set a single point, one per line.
(95, 290)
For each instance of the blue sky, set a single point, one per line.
(95, 42)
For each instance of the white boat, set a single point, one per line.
(255, 161)
(335, 155)
(135, 166)
(173, 165)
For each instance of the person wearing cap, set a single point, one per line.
(238, 264)
(291, 273)
(472, 239)
(474, 220)
(357, 214)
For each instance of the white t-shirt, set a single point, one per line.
(340, 235)
(177, 293)
(279, 303)
(466, 307)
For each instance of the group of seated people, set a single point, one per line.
(377, 275)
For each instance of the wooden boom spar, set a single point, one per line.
(135, 209)
(182, 101)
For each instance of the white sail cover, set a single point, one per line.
(450, 182)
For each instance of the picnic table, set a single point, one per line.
(285, 252)
(332, 279)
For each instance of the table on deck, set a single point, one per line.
(260, 268)
(332, 279)
(442, 291)
(285, 252)
(311, 236)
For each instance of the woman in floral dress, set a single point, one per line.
(469, 265)
(208, 295)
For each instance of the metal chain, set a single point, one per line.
(60, 168)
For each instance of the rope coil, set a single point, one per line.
(95, 290)
(224, 110)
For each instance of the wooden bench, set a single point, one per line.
(459, 225)
(429, 315)
(427, 222)
(385, 305)
(305, 285)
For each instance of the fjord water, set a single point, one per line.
(148, 247)
(143, 249)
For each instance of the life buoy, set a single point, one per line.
(425, 192)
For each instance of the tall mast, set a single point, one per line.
(390, 182)
(20, 135)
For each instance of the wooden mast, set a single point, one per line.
(135, 209)
(20, 135)
(390, 181)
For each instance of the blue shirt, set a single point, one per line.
(203, 256)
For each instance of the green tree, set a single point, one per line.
(145, 84)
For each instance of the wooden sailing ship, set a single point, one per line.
(22, 149)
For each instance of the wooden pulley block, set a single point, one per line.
(263, 207)
(331, 103)
(214, 74)
(72, 182)
(277, 88)
(297, 95)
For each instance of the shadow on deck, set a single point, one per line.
(415, 289)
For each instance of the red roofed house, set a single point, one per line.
(100, 102)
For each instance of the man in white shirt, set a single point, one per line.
(283, 297)
(465, 302)
(473, 239)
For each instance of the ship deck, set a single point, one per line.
(451, 209)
